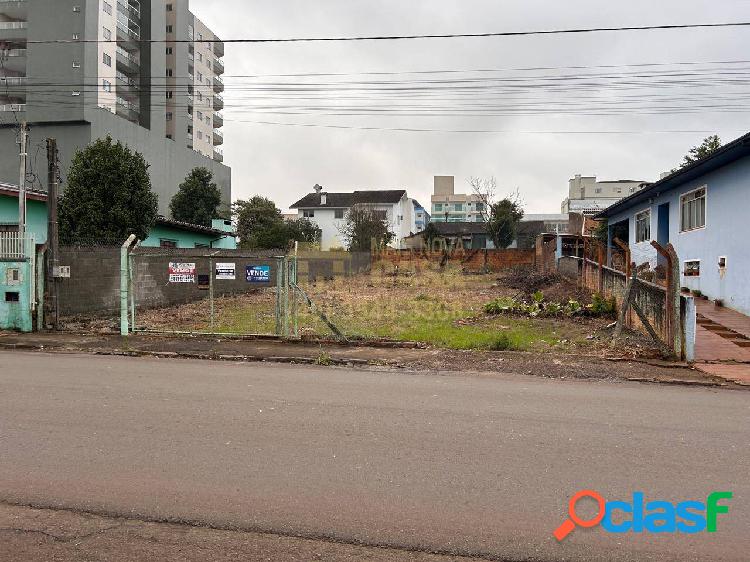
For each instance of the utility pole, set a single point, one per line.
(22, 187)
(53, 185)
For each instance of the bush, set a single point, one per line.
(600, 306)
(502, 343)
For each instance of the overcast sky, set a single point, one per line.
(284, 162)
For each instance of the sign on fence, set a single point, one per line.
(181, 272)
(258, 273)
(225, 271)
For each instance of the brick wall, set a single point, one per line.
(476, 260)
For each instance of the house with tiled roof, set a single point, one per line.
(328, 211)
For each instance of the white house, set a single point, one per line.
(328, 211)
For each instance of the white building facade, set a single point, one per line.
(328, 211)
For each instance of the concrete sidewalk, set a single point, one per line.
(549, 365)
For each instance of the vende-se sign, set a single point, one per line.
(181, 272)
(258, 273)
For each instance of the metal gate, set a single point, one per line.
(211, 292)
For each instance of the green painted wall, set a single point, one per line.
(15, 315)
(185, 239)
(36, 216)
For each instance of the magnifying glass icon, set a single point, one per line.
(570, 524)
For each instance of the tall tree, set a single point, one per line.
(108, 196)
(198, 199)
(361, 226)
(706, 148)
(505, 215)
(261, 226)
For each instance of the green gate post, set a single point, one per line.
(279, 283)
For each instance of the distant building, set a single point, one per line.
(588, 196)
(421, 216)
(453, 236)
(328, 211)
(551, 223)
(449, 206)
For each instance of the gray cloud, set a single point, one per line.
(284, 162)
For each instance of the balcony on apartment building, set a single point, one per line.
(218, 85)
(218, 138)
(14, 30)
(218, 119)
(127, 87)
(127, 63)
(218, 66)
(131, 9)
(15, 9)
(128, 38)
(14, 58)
(218, 154)
(128, 110)
(218, 47)
(218, 102)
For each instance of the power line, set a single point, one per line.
(412, 37)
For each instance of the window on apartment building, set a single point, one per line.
(170, 73)
(459, 207)
(170, 51)
(438, 207)
(308, 214)
(107, 8)
(200, 57)
(338, 214)
(106, 59)
(170, 8)
(107, 85)
(643, 226)
(164, 243)
(76, 36)
(693, 207)
(170, 29)
(107, 34)
(692, 268)
(76, 64)
(208, 64)
(169, 136)
(200, 135)
(170, 94)
(170, 116)
(200, 115)
(200, 77)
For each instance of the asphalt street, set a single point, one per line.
(449, 463)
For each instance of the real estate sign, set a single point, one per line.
(258, 273)
(181, 272)
(226, 271)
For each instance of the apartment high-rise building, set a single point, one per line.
(449, 206)
(146, 72)
(588, 196)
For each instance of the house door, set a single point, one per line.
(662, 230)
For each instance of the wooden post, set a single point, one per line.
(600, 259)
(625, 248)
(674, 322)
(626, 299)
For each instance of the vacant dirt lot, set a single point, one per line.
(439, 307)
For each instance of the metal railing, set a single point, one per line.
(13, 107)
(13, 25)
(12, 245)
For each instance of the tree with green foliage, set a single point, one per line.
(304, 231)
(198, 199)
(261, 226)
(108, 194)
(601, 232)
(430, 234)
(706, 148)
(504, 217)
(361, 226)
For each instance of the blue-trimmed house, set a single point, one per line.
(703, 210)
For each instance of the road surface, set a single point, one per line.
(454, 464)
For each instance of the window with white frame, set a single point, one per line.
(643, 226)
(693, 210)
(338, 213)
(308, 213)
(692, 268)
